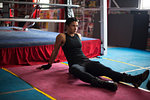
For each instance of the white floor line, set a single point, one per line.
(133, 86)
(148, 68)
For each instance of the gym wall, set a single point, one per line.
(128, 30)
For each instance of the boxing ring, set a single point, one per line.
(35, 46)
(32, 46)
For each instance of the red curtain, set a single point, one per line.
(36, 54)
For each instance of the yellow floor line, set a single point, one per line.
(31, 85)
(10, 72)
(44, 93)
(64, 63)
(125, 63)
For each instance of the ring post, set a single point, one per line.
(103, 26)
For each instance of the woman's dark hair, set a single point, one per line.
(70, 20)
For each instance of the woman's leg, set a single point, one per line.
(81, 73)
(98, 69)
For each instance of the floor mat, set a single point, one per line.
(24, 95)
(9, 82)
(13, 88)
(128, 60)
(58, 83)
(129, 55)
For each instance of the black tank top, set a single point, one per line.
(72, 50)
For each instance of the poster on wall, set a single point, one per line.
(86, 15)
(92, 3)
(48, 14)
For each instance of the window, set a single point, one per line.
(145, 4)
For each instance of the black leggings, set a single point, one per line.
(87, 71)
